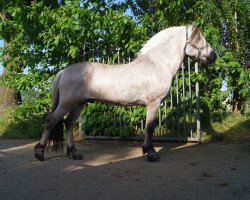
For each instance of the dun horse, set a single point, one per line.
(146, 81)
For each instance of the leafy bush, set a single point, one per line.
(102, 119)
(23, 121)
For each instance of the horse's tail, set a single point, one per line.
(55, 91)
(56, 135)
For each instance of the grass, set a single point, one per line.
(232, 128)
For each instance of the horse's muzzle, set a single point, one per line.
(212, 57)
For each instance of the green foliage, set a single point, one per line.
(23, 121)
(42, 37)
(225, 24)
(104, 119)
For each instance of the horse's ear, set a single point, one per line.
(194, 26)
(196, 34)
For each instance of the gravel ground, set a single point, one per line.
(113, 170)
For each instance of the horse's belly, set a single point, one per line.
(118, 98)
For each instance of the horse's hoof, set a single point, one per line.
(150, 154)
(153, 157)
(39, 152)
(74, 153)
(77, 156)
(39, 156)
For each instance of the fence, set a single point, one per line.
(178, 117)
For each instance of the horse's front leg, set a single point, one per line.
(148, 148)
(69, 124)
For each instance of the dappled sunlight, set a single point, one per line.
(96, 154)
(117, 156)
(73, 168)
(183, 146)
(18, 148)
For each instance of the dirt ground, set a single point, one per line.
(114, 170)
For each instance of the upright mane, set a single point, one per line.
(158, 39)
(166, 34)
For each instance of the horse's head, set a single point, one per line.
(197, 47)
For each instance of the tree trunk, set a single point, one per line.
(238, 103)
(8, 97)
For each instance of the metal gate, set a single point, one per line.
(178, 117)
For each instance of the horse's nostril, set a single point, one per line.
(212, 57)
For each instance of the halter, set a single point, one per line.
(200, 49)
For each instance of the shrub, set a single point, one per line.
(23, 121)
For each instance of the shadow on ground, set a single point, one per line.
(117, 170)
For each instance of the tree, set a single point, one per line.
(46, 36)
(225, 24)
(231, 21)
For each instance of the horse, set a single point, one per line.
(145, 81)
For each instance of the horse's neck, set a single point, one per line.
(169, 54)
(173, 54)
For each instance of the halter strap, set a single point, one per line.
(199, 49)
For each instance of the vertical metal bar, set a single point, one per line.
(197, 94)
(118, 51)
(113, 61)
(114, 119)
(120, 118)
(120, 110)
(125, 110)
(159, 111)
(177, 100)
(84, 52)
(165, 111)
(81, 131)
(113, 57)
(172, 120)
(190, 100)
(98, 58)
(142, 126)
(184, 97)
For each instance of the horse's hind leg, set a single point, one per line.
(148, 147)
(51, 121)
(69, 124)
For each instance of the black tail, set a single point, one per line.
(56, 136)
